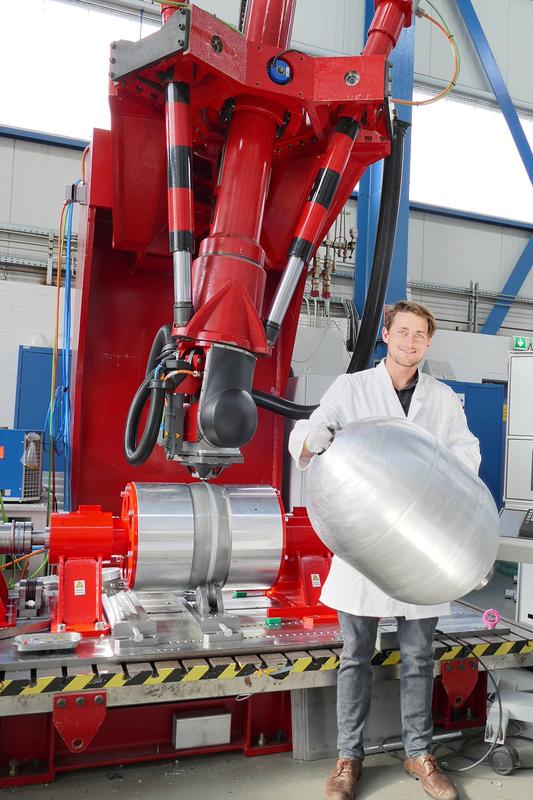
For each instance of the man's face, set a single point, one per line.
(407, 339)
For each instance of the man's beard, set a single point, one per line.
(406, 360)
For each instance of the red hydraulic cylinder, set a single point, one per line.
(270, 21)
(390, 18)
(180, 195)
(228, 280)
(228, 275)
(245, 172)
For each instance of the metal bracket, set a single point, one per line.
(127, 57)
(208, 610)
(459, 678)
(77, 717)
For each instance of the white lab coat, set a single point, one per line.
(435, 407)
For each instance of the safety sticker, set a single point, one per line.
(79, 588)
(315, 580)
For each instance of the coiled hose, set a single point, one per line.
(137, 452)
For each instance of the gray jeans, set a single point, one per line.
(355, 678)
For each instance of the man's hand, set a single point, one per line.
(319, 439)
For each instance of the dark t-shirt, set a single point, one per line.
(405, 395)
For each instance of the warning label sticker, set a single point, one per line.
(79, 587)
(315, 580)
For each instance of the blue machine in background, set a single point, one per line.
(484, 405)
(18, 480)
(34, 379)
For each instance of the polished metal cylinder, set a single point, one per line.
(188, 535)
(284, 292)
(16, 537)
(401, 508)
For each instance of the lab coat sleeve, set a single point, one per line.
(460, 440)
(332, 408)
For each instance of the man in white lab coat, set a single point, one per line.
(395, 388)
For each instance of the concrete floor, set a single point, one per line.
(233, 776)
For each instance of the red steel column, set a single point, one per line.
(245, 172)
(390, 18)
(270, 21)
(231, 255)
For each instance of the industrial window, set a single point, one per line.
(464, 157)
(61, 53)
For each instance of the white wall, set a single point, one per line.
(507, 25)
(33, 177)
(27, 315)
(325, 28)
(453, 252)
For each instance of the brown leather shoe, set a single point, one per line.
(427, 770)
(342, 782)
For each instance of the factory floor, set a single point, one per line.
(239, 778)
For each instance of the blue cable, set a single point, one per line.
(65, 415)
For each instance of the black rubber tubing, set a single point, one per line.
(138, 453)
(383, 251)
(377, 288)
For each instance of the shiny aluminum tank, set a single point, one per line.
(398, 506)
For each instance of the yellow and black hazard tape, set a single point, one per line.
(232, 669)
(162, 675)
(446, 653)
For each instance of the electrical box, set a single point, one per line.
(21, 462)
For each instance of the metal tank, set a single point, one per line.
(187, 535)
(391, 501)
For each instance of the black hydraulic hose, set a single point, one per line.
(383, 252)
(281, 406)
(163, 338)
(138, 453)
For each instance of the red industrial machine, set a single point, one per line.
(229, 157)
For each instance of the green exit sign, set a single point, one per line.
(521, 343)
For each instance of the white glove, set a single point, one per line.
(319, 438)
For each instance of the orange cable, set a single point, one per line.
(22, 558)
(84, 156)
(447, 88)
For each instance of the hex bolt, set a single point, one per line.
(98, 699)
(61, 702)
(80, 701)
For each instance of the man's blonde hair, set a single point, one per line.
(407, 306)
